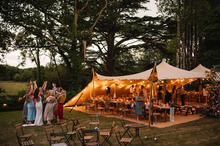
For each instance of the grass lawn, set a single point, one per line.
(205, 131)
(12, 88)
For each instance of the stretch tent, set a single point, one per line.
(201, 69)
(121, 84)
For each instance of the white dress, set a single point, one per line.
(39, 113)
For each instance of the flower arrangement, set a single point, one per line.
(213, 88)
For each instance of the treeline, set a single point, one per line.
(48, 73)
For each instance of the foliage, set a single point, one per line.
(121, 38)
(197, 31)
(214, 95)
(10, 102)
(7, 72)
(60, 24)
(6, 38)
(210, 44)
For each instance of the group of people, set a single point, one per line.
(41, 104)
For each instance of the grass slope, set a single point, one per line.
(12, 88)
(205, 131)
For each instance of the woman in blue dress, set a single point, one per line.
(30, 105)
(139, 103)
(31, 110)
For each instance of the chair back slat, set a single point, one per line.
(90, 131)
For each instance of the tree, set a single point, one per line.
(210, 43)
(6, 38)
(190, 16)
(119, 32)
(61, 23)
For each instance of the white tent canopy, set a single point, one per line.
(164, 72)
(201, 69)
(138, 76)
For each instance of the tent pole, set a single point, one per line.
(151, 95)
(76, 101)
(114, 91)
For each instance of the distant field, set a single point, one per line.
(12, 88)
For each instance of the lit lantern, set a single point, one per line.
(4, 104)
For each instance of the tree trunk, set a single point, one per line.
(39, 80)
(58, 73)
(110, 53)
(178, 49)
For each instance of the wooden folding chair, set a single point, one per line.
(122, 140)
(76, 125)
(94, 122)
(124, 126)
(107, 135)
(69, 135)
(23, 139)
(82, 137)
(91, 142)
(51, 136)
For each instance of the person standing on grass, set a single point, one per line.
(25, 108)
(39, 106)
(30, 105)
(49, 109)
(139, 103)
(60, 100)
(42, 93)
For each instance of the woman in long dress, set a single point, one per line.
(39, 110)
(139, 103)
(31, 110)
(49, 109)
(30, 105)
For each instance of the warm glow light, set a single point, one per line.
(162, 81)
(143, 81)
(20, 99)
(4, 104)
(148, 85)
(130, 81)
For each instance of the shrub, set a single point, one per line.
(213, 108)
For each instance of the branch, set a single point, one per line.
(99, 16)
(85, 5)
(33, 46)
(45, 13)
(100, 50)
(121, 41)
